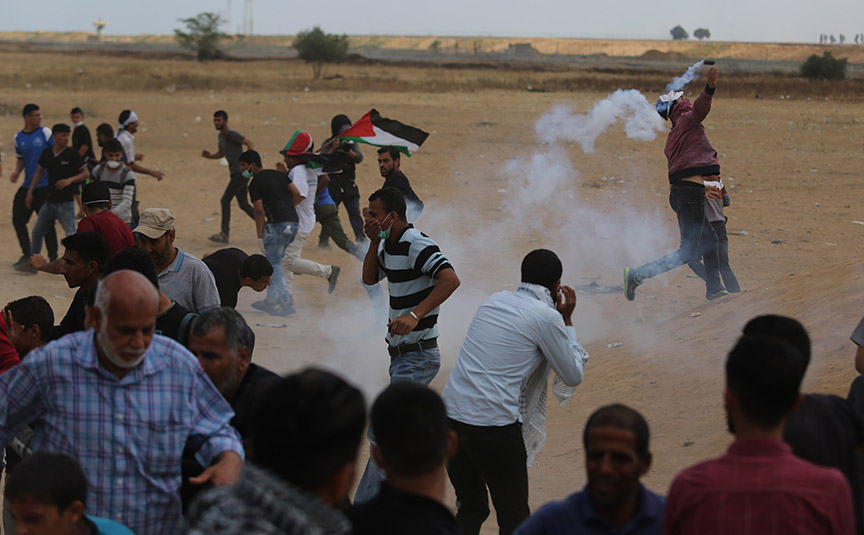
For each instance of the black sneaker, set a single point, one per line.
(717, 295)
(25, 268)
(334, 276)
(24, 260)
(630, 284)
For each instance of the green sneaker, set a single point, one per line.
(630, 284)
(717, 295)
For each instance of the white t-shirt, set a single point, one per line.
(307, 182)
(127, 140)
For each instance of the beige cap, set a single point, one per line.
(154, 222)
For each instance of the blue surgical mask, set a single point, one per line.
(247, 173)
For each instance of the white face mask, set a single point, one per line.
(110, 352)
(76, 125)
(113, 164)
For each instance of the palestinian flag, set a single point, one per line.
(373, 129)
(321, 164)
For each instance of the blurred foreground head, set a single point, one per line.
(307, 431)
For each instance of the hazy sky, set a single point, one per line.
(729, 20)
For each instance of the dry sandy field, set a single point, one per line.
(495, 190)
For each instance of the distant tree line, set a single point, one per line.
(680, 34)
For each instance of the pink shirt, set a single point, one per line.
(759, 487)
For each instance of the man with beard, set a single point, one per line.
(230, 147)
(389, 159)
(613, 501)
(223, 343)
(123, 402)
(83, 260)
(182, 277)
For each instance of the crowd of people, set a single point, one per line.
(142, 410)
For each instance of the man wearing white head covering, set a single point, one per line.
(126, 136)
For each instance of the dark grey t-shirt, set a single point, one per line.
(232, 148)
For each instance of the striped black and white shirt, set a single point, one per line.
(411, 266)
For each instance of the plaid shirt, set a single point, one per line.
(129, 433)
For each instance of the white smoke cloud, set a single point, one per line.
(641, 121)
(678, 83)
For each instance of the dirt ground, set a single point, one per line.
(493, 192)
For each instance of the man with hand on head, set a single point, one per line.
(420, 279)
(515, 341)
(129, 446)
(613, 501)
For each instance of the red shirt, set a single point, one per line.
(687, 147)
(8, 355)
(112, 228)
(759, 487)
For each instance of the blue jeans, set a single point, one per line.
(698, 240)
(420, 367)
(277, 237)
(48, 214)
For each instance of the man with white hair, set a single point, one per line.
(126, 136)
(123, 402)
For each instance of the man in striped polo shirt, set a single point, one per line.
(419, 278)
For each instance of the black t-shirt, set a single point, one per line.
(399, 181)
(224, 264)
(271, 188)
(81, 137)
(395, 511)
(73, 321)
(61, 166)
(174, 323)
(827, 430)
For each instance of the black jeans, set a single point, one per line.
(21, 216)
(492, 457)
(698, 240)
(236, 188)
(729, 279)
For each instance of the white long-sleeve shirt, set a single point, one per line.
(512, 334)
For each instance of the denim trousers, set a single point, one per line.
(698, 241)
(729, 278)
(420, 367)
(277, 238)
(48, 214)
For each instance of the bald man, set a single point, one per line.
(123, 401)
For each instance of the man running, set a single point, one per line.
(230, 147)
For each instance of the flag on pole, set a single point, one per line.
(373, 129)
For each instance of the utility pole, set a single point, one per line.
(226, 20)
(248, 18)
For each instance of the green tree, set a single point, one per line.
(202, 35)
(702, 33)
(435, 45)
(679, 33)
(319, 48)
(825, 68)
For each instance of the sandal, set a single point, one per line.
(219, 238)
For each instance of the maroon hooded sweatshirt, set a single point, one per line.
(687, 148)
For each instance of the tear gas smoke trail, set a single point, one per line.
(641, 121)
(678, 83)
